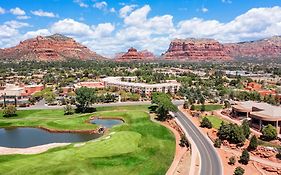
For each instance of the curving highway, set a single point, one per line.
(210, 161)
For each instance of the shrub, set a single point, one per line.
(9, 111)
(269, 133)
(239, 171)
(217, 143)
(203, 108)
(184, 142)
(205, 123)
(253, 143)
(186, 105)
(192, 107)
(245, 157)
(68, 110)
(232, 160)
(246, 128)
(278, 155)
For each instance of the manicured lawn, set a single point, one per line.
(216, 121)
(138, 146)
(209, 107)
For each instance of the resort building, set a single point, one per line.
(141, 88)
(89, 84)
(18, 95)
(260, 114)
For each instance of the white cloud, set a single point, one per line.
(17, 11)
(154, 33)
(2, 11)
(226, 1)
(71, 27)
(23, 17)
(123, 12)
(100, 5)
(103, 30)
(204, 9)
(81, 3)
(42, 13)
(16, 24)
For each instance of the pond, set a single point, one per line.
(28, 137)
(107, 123)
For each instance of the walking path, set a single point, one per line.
(254, 158)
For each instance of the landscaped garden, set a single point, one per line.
(139, 146)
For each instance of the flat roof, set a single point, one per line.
(267, 111)
(117, 80)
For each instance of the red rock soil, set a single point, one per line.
(253, 168)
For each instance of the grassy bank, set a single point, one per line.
(137, 147)
(209, 107)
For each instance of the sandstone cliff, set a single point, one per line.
(50, 48)
(196, 49)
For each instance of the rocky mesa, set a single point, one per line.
(209, 49)
(50, 48)
(269, 48)
(135, 55)
(196, 49)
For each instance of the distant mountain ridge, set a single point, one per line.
(50, 48)
(209, 49)
(58, 47)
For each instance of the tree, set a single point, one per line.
(269, 132)
(50, 96)
(164, 105)
(239, 171)
(68, 110)
(245, 157)
(232, 160)
(246, 128)
(192, 107)
(184, 142)
(253, 143)
(203, 108)
(205, 123)
(84, 98)
(217, 143)
(9, 111)
(227, 104)
(232, 133)
(186, 105)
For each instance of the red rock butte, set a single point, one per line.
(50, 48)
(209, 49)
(196, 49)
(133, 55)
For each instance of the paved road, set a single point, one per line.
(210, 161)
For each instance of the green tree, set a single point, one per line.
(164, 105)
(269, 132)
(232, 133)
(205, 123)
(68, 110)
(239, 171)
(50, 96)
(253, 143)
(9, 111)
(192, 107)
(84, 98)
(217, 143)
(232, 160)
(186, 105)
(245, 157)
(246, 128)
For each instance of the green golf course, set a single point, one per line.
(139, 146)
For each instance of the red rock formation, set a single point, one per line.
(133, 54)
(208, 49)
(196, 49)
(51, 48)
(265, 48)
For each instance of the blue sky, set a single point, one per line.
(110, 26)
